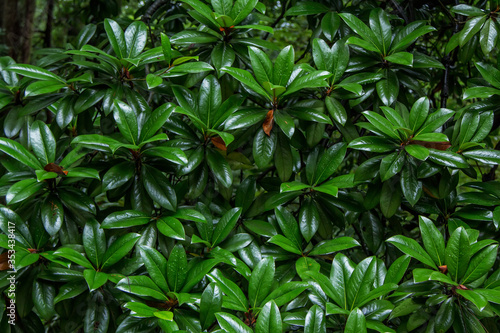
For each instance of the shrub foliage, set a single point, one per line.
(192, 172)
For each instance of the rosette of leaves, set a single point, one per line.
(138, 149)
(480, 22)
(458, 287)
(382, 50)
(227, 28)
(405, 139)
(166, 293)
(204, 138)
(43, 178)
(354, 296)
(276, 87)
(129, 62)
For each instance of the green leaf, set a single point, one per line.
(158, 187)
(397, 270)
(17, 151)
(141, 285)
(433, 240)
(361, 29)
(356, 322)
(334, 245)
(480, 301)
(412, 248)
(417, 151)
(315, 320)
(466, 10)
(382, 124)
(283, 158)
(136, 36)
(489, 73)
(480, 264)
(177, 268)
(119, 248)
(70, 290)
(269, 320)
(391, 165)
(156, 264)
(309, 219)
(220, 168)
(410, 185)
(22, 190)
(283, 66)
(74, 256)
(361, 281)
(172, 154)
(231, 323)
(247, 79)
(329, 162)
(225, 225)
(34, 72)
(116, 38)
(171, 227)
(484, 156)
(117, 176)
(381, 27)
(234, 298)
(401, 58)
(261, 65)
(126, 120)
(488, 36)
(242, 9)
(153, 81)
(457, 254)
(211, 302)
(445, 316)
(264, 147)
(94, 242)
(261, 281)
(409, 35)
(43, 87)
(155, 121)
(336, 110)
(471, 27)
(390, 199)
(43, 298)
(94, 279)
(52, 214)
(314, 79)
(447, 158)
(388, 88)
(421, 275)
(125, 219)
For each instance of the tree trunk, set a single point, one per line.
(47, 39)
(29, 17)
(17, 23)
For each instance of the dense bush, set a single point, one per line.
(188, 171)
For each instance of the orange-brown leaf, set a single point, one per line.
(268, 122)
(219, 143)
(52, 167)
(442, 145)
(4, 261)
(443, 269)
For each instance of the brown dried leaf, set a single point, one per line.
(219, 143)
(268, 122)
(443, 145)
(52, 167)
